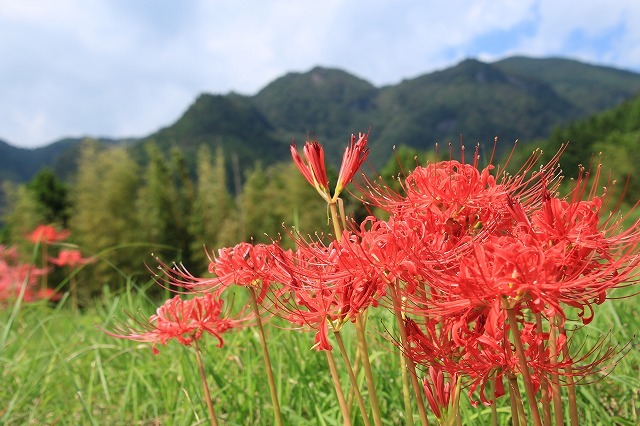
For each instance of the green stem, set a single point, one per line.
(203, 377)
(544, 383)
(411, 366)
(346, 416)
(522, 360)
(45, 264)
(368, 374)
(352, 378)
(555, 380)
(335, 218)
(494, 409)
(356, 371)
(516, 401)
(406, 393)
(74, 294)
(571, 386)
(267, 361)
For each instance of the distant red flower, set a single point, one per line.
(14, 276)
(71, 258)
(47, 234)
(183, 320)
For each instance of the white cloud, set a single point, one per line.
(122, 68)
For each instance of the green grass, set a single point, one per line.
(59, 368)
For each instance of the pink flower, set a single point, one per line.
(47, 234)
(70, 257)
(15, 275)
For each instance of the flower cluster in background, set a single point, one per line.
(27, 282)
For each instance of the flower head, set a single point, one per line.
(16, 277)
(314, 169)
(183, 320)
(47, 234)
(71, 258)
(352, 159)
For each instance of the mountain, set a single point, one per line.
(21, 164)
(590, 88)
(515, 98)
(231, 122)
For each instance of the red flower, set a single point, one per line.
(183, 320)
(71, 258)
(249, 265)
(47, 234)
(14, 276)
(314, 169)
(442, 394)
(352, 159)
(328, 285)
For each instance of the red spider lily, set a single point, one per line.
(311, 279)
(15, 276)
(249, 265)
(442, 395)
(183, 320)
(244, 265)
(71, 258)
(328, 285)
(314, 169)
(47, 234)
(354, 155)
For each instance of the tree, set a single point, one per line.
(104, 218)
(214, 221)
(24, 213)
(276, 196)
(52, 195)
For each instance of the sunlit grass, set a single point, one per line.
(61, 368)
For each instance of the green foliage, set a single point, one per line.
(25, 214)
(44, 200)
(104, 214)
(61, 368)
(611, 138)
(214, 219)
(52, 195)
(280, 196)
(163, 203)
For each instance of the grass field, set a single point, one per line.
(60, 368)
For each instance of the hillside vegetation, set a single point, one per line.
(516, 98)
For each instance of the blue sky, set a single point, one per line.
(124, 68)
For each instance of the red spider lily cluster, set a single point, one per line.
(18, 278)
(482, 269)
(16, 274)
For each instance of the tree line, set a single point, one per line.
(123, 212)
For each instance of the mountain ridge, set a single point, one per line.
(513, 98)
